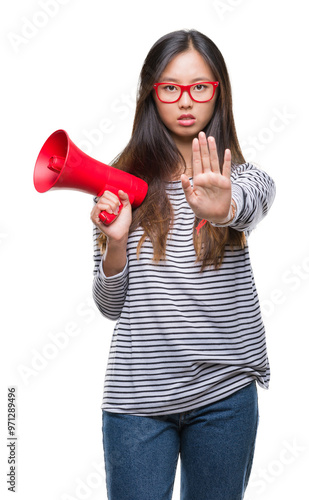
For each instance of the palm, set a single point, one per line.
(210, 195)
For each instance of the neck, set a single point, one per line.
(185, 148)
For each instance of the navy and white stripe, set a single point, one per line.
(185, 338)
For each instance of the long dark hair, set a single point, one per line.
(152, 155)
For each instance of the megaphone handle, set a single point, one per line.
(107, 218)
(104, 216)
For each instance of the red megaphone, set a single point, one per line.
(62, 165)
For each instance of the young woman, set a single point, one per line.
(189, 342)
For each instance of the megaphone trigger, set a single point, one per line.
(107, 218)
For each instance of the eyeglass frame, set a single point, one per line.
(184, 88)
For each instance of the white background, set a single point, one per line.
(74, 64)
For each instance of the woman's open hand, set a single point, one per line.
(210, 196)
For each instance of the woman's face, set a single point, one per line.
(186, 118)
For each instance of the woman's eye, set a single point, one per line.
(170, 88)
(200, 87)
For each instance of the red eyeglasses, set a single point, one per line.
(199, 92)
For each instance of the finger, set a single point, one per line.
(204, 152)
(109, 196)
(99, 224)
(94, 216)
(109, 205)
(186, 185)
(214, 160)
(105, 207)
(196, 158)
(124, 198)
(226, 170)
(109, 202)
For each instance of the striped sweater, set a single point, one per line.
(185, 338)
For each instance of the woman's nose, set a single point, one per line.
(185, 100)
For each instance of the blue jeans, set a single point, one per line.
(215, 444)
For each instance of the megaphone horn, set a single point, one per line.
(62, 165)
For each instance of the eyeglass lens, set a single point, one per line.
(200, 92)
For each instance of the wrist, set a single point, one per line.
(118, 241)
(115, 256)
(230, 217)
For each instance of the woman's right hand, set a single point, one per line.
(119, 228)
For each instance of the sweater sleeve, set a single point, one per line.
(108, 292)
(254, 192)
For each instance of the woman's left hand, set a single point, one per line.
(210, 196)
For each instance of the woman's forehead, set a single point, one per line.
(189, 66)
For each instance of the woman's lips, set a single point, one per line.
(186, 120)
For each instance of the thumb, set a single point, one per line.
(124, 198)
(186, 185)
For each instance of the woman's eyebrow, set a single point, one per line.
(197, 79)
